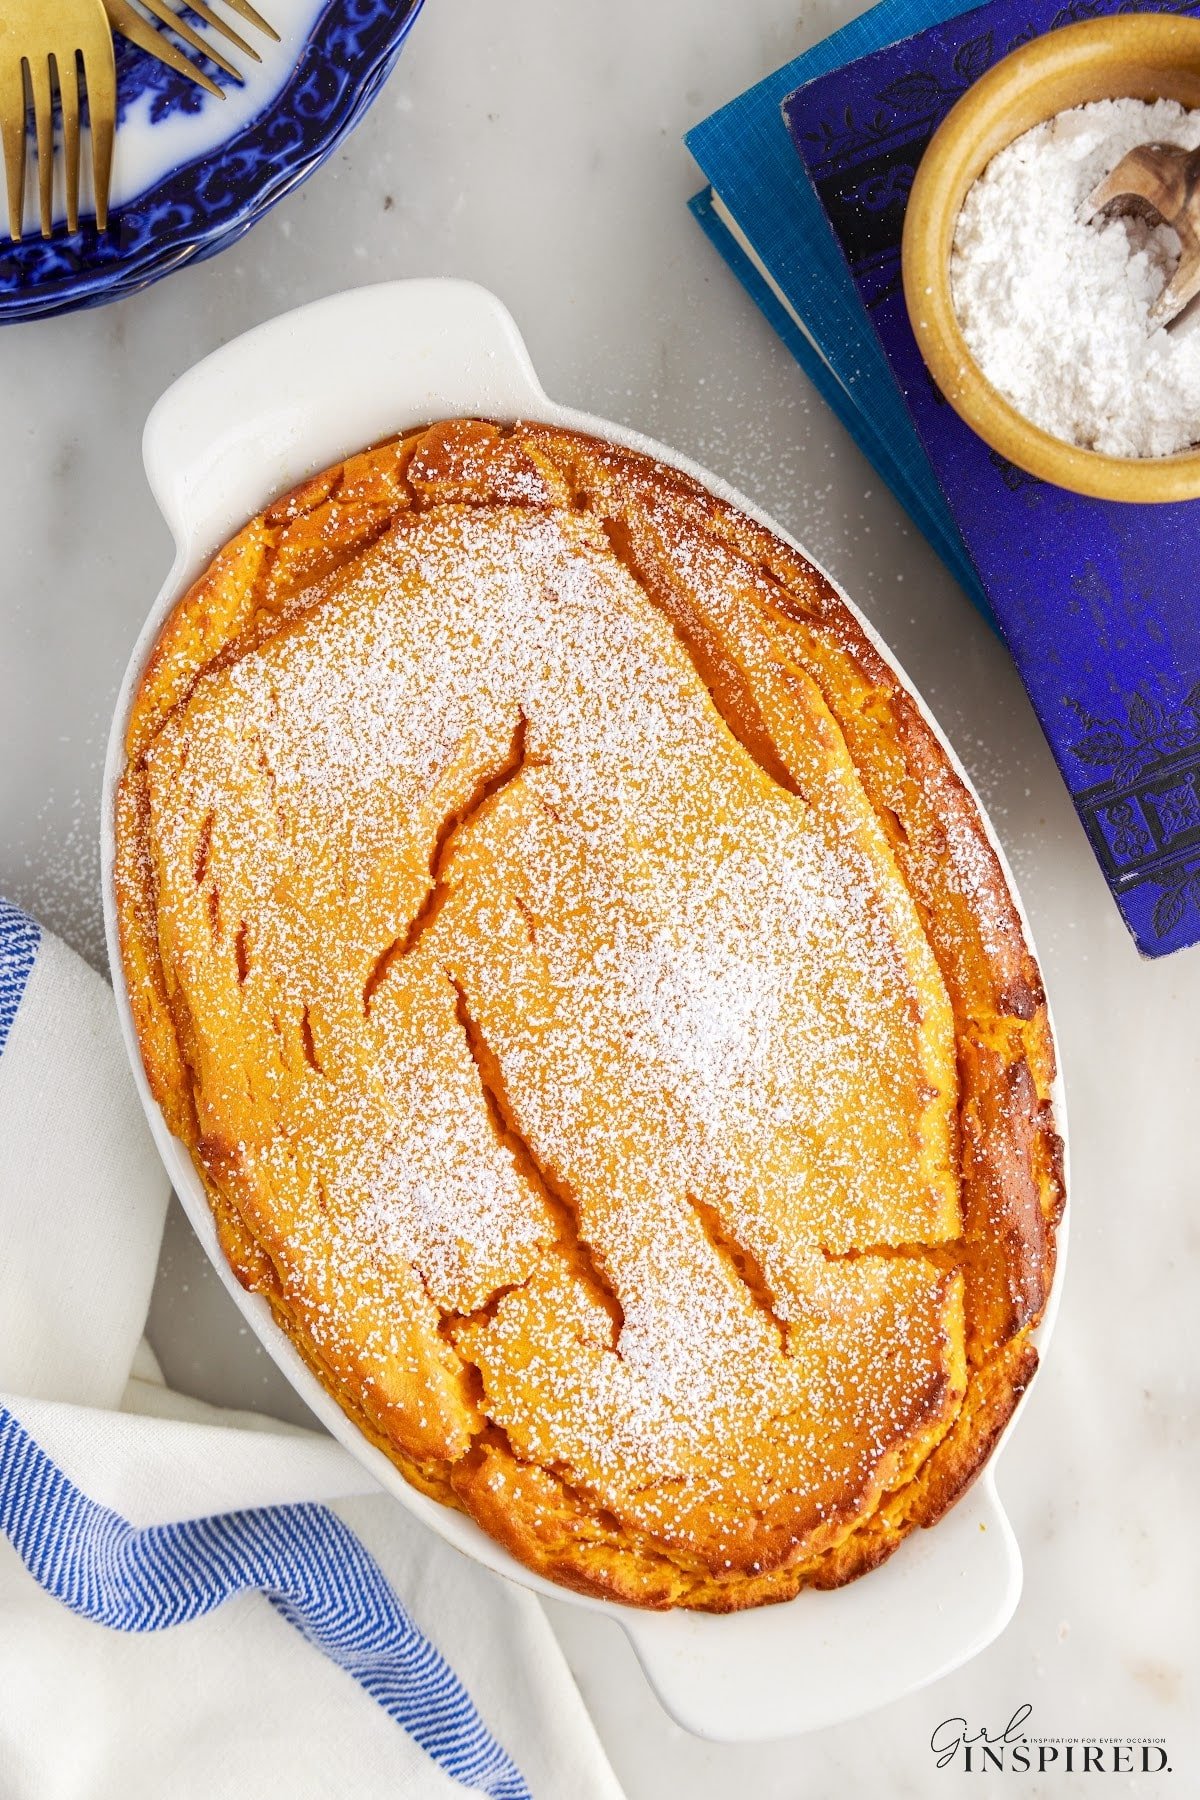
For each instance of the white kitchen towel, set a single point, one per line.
(195, 1602)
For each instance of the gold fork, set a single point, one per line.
(44, 42)
(126, 19)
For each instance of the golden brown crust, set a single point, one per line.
(802, 689)
(1012, 1158)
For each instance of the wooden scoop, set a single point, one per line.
(1162, 179)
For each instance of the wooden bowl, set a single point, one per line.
(1147, 56)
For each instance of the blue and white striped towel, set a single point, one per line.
(195, 1602)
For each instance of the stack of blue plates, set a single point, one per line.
(193, 172)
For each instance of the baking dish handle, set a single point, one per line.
(272, 406)
(822, 1658)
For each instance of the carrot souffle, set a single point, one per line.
(596, 1012)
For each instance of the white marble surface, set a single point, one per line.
(536, 147)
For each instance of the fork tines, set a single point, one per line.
(158, 39)
(47, 45)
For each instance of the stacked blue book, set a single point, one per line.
(809, 174)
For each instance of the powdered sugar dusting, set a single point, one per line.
(507, 964)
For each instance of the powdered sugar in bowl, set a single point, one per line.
(1032, 319)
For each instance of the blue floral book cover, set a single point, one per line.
(1098, 601)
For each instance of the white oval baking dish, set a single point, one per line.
(249, 422)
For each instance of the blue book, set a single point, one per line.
(1095, 599)
(762, 214)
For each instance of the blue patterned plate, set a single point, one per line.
(192, 173)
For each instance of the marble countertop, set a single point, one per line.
(536, 148)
